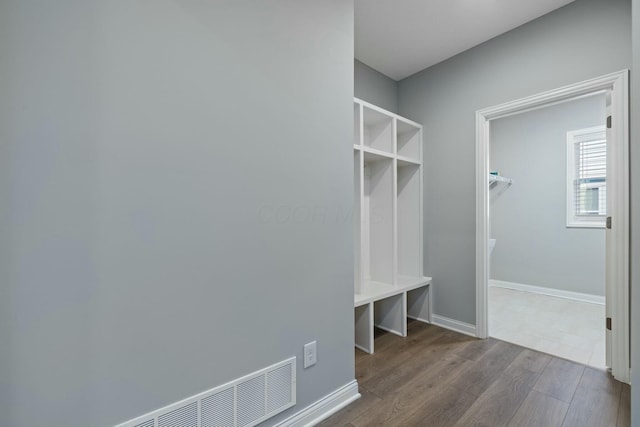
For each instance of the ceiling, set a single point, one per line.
(401, 37)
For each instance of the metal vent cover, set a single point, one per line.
(218, 409)
(278, 388)
(250, 398)
(244, 402)
(187, 416)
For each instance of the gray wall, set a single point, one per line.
(635, 218)
(159, 163)
(534, 246)
(374, 87)
(585, 39)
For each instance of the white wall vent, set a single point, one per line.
(244, 402)
(218, 409)
(187, 416)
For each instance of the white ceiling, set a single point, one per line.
(401, 37)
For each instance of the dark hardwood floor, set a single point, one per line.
(436, 377)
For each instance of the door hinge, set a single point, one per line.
(609, 222)
(608, 122)
(609, 323)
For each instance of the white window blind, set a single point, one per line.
(586, 177)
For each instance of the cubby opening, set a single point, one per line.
(390, 314)
(377, 216)
(409, 223)
(378, 130)
(418, 304)
(408, 140)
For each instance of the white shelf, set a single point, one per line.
(375, 291)
(385, 112)
(411, 282)
(402, 160)
(498, 178)
(406, 161)
(380, 153)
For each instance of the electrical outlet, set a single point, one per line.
(309, 354)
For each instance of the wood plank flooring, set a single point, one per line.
(436, 377)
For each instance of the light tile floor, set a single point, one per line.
(565, 328)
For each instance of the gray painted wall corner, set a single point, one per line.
(374, 87)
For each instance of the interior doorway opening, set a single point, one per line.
(615, 86)
(547, 210)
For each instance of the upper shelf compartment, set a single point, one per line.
(408, 140)
(378, 130)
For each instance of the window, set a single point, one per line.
(587, 177)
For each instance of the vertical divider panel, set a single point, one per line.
(395, 205)
(357, 220)
(394, 134)
(357, 123)
(365, 217)
(364, 327)
(421, 191)
(404, 314)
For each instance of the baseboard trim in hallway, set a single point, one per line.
(324, 408)
(577, 296)
(454, 325)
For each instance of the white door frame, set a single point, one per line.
(617, 84)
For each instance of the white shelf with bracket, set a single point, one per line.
(498, 178)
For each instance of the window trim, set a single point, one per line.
(575, 136)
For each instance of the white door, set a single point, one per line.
(617, 236)
(609, 270)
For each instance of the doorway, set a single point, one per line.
(615, 87)
(547, 210)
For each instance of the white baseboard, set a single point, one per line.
(577, 296)
(419, 319)
(454, 325)
(324, 408)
